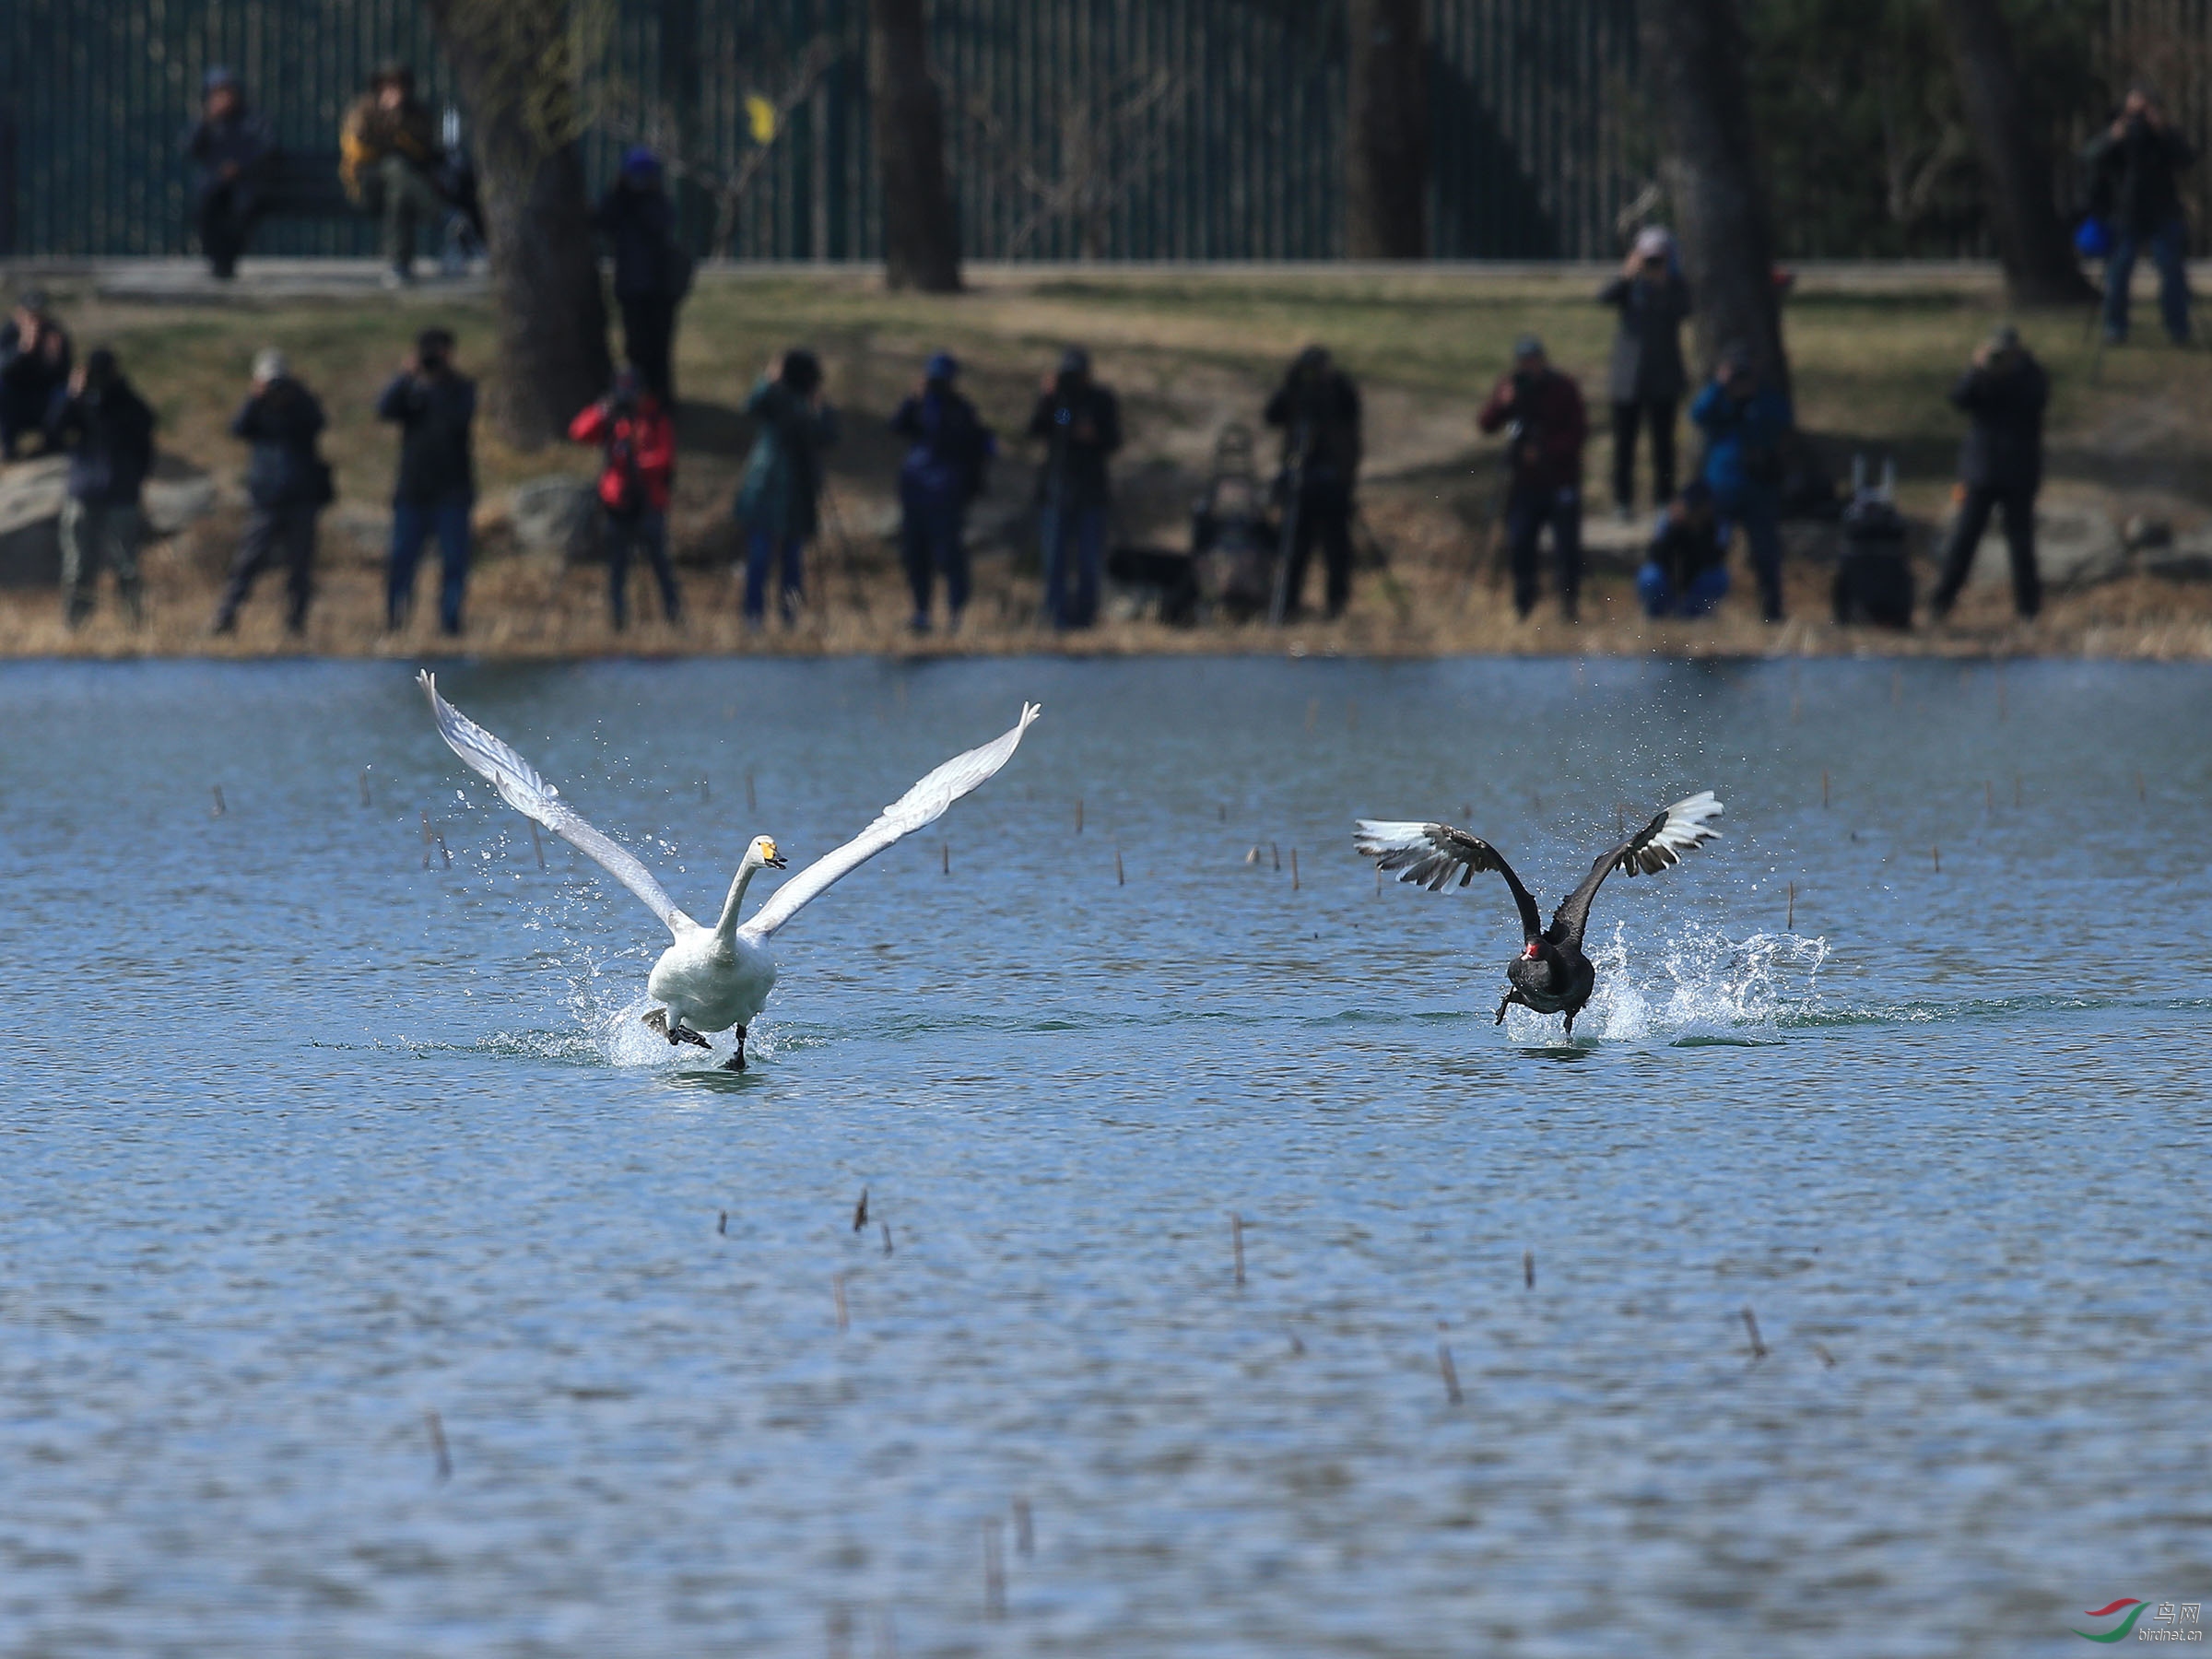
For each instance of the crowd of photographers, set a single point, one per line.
(1739, 483)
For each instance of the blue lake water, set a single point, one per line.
(305, 1140)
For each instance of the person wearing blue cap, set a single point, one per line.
(947, 462)
(230, 148)
(653, 272)
(1080, 422)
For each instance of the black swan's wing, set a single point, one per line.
(1429, 853)
(1661, 843)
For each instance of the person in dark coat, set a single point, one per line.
(1080, 424)
(232, 149)
(1645, 379)
(1541, 412)
(2135, 162)
(434, 406)
(1685, 571)
(635, 486)
(652, 271)
(35, 361)
(288, 483)
(108, 431)
(1746, 422)
(2003, 394)
(1317, 406)
(948, 454)
(779, 500)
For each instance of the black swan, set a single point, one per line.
(1551, 975)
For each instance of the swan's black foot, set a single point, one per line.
(736, 1060)
(656, 1021)
(1504, 1002)
(1567, 1032)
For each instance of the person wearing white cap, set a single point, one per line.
(287, 483)
(1646, 378)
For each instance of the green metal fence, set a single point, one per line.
(1129, 129)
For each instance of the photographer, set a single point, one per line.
(433, 407)
(1645, 379)
(2135, 161)
(1540, 410)
(1685, 571)
(1744, 423)
(947, 462)
(1318, 409)
(388, 161)
(288, 483)
(1080, 422)
(2004, 393)
(108, 431)
(634, 485)
(779, 501)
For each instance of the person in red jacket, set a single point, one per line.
(639, 440)
(1541, 413)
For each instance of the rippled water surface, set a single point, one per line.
(305, 1141)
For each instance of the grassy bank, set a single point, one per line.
(2131, 432)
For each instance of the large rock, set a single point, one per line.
(31, 512)
(32, 493)
(558, 515)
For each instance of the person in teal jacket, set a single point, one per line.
(779, 500)
(1744, 423)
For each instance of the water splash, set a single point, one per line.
(1699, 984)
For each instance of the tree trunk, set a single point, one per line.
(921, 234)
(1695, 49)
(2038, 254)
(512, 62)
(1386, 131)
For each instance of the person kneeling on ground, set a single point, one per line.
(388, 157)
(34, 369)
(2001, 464)
(1684, 572)
(780, 501)
(231, 147)
(1541, 412)
(943, 471)
(1080, 422)
(433, 407)
(109, 431)
(640, 442)
(1744, 423)
(1318, 409)
(287, 483)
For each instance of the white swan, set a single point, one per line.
(714, 979)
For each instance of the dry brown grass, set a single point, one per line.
(1189, 351)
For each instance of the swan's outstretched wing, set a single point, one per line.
(922, 804)
(522, 789)
(1429, 854)
(1658, 844)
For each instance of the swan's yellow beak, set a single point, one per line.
(770, 857)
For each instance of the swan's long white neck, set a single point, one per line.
(726, 929)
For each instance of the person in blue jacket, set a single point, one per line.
(943, 471)
(1745, 422)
